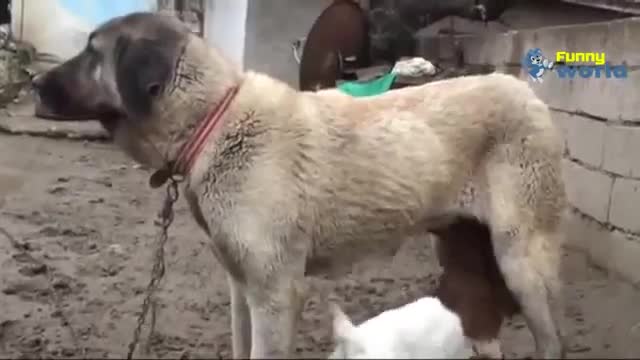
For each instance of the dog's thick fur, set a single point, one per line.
(299, 183)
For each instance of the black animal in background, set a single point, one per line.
(393, 23)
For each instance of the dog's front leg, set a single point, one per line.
(240, 320)
(275, 309)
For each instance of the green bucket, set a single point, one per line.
(373, 87)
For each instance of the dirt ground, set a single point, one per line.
(71, 283)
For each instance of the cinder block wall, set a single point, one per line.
(601, 124)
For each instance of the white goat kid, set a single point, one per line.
(422, 329)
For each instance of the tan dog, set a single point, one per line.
(289, 184)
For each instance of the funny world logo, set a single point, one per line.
(571, 65)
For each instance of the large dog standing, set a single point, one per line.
(288, 184)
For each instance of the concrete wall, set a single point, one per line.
(534, 14)
(527, 15)
(600, 119)
(224, 27)
(271, 27)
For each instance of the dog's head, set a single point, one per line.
(145, 76)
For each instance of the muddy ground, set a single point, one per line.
(71, 284)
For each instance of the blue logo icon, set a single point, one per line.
(536, 64)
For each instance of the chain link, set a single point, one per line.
(157, 273)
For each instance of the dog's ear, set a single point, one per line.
(142, 69)
(342, 326)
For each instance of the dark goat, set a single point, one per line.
(472, 285)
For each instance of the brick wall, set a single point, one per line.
(601, 123)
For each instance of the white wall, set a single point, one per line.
(272, 25)
(225, 23)
(48, 27)
(61, 27)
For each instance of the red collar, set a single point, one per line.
(194, 145)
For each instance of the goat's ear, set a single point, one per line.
(342, 326)
(142, 69)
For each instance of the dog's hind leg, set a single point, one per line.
(527, 205)
(526, 222)
(534, 288)
(275, 309)
(240, 320)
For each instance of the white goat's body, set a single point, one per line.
(424, 329)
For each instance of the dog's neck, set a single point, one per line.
(192, 148)
(210, 104)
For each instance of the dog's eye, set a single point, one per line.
(533, 58)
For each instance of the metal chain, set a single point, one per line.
(157, 273)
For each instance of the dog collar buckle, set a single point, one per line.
(159, 178)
